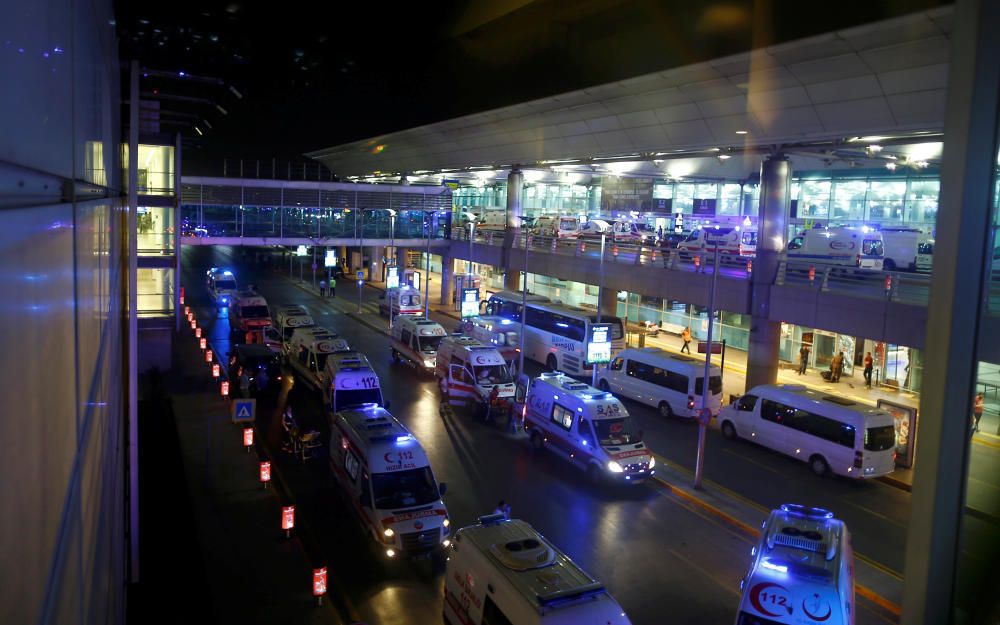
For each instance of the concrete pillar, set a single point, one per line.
(609, 301)
(376, 265)
(400, 259)
(515, 185)
(342, 255)
(765, 335)
(447, 279)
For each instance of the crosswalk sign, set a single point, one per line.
(244, 410)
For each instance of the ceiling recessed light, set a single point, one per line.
(723, 157)
(741, 132)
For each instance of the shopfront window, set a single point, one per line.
(154, 292)
(155, 225)
(849, 200)
(814, 198)
(731, 199)
(683, 197)
(885, 201)
(156, 169)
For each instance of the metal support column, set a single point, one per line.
(934, 579)
(133, 321)
(515, 186)
(765, 334)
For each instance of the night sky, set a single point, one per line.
(315, 74)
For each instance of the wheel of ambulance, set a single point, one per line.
(594, 475)
(819, 465)
(729, 430)
(551, 362)
(665, 410)
(537, 442)
(603, 385)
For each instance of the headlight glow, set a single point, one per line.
(652, 462)
(614, 467)
(389, 533)
(390, 553)
(446, 522)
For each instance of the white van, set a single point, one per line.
(671, 383)
(470, 371)
(307, 351)
(248, 315)
(901, 248)
(288, 318)
(503, 572)
(831, 433)
(925, 255)
(221, 285)
(562, 227)
(387, 479)
(802, 572)
(495, 220)
(415, 339)
(726, 238)
(403, 300)
(588, 427)
(852, 247)
(352, 381)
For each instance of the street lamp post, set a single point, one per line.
(699, 467)
(427, 278)
(600, 296)
(524, 303)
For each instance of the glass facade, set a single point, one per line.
(156, 169)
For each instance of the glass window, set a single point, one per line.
(616, 364)
(885, 200)
(399, 489)
(683, 197)
(563, 417)
(849, 200)
(880, 438)
(351, 464)
(154, 292)
(731, 198)
(714, 385)
(616, 431)
(746, 403)
(814, 199)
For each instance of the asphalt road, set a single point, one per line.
(663, 559)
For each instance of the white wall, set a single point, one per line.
(61, 421)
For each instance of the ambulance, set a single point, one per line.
(562, 227)
(248, 314)
(403, 300)
(221, 285)
(505, 571)
(588, 427)
(385, 476)
(290, 317)
(728, 239)
(415, 339)
(307, 351)
(852, 247)
(470, 371)
(352, 381)
(503, 334)
(801, 572)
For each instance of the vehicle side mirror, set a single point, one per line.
(442, 488)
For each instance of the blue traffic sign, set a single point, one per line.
(244, 410)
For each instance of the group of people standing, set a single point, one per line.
(837, 364)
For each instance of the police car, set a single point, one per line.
(384, 473)
(802, 571)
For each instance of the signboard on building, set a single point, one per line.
(626, 194)
(905, 421)
(599, 343)
(703, 207)
(470, 303)
(392, 278)
(663, 205)
(331, 258)
(300, 250)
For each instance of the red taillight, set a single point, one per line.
(858, 459)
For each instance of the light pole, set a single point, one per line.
(427, 279)
(699, 466)
(604, 226)
(524, 303)
(392, 235)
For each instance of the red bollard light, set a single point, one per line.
(265, 473)
(203, 342)
(319, 584)
(194, 324)
(182, 296)
(583, 247)
(812, 273)
(187, 311)
(215, 370)
(888, 283)
(208, 355)
(288, 520)
(749, 266)
(697, 261)
(654, 256)
(614, 250)
(197, 333)
(224, 388)
(248, 438)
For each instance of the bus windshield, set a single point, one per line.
(880, 438)
(616, 326)
(404, 489)
(615, 431)
(492, 374)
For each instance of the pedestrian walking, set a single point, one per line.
(322, 288)
(333, 287)
(836, 366)
(686, 337)
(803, 358)
(977, 411)
(503, 508)
(869, 365)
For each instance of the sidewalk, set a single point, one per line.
(254, 573)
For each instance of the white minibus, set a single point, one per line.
(830, 433)
(671, 383)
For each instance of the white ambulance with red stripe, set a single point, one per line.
(415, 339)
(387, 480)
(586, 426)
(801, 572)
(472, 372)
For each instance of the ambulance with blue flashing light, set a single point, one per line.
(385, 475)
(249, 316)
(802, 571)
(500, 332)
(289, 317)
(415, 339)
(504, 571)
(586, 426)
(221, 285)
(472, 372)
(352, 381)
(862, 247)
(402, 300)
(307, 351)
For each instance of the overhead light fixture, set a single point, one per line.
(221, 110)
(874, 148)
(920, 164)
(207, 124)
(891, 166)
(741, 132)
(198, 130)
(723, 157)
(235, 92)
